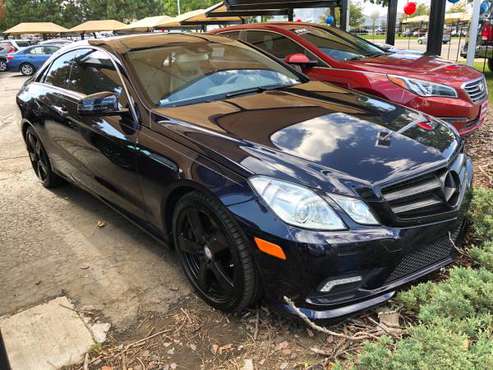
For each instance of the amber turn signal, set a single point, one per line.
(270, 248)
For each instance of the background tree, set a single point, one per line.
(356, 16)
(374, 17)
(186, 6)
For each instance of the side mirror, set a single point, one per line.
(99, 104)
(300, 60)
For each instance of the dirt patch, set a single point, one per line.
(194, 336)
(480, 147)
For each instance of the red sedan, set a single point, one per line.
(455, 93)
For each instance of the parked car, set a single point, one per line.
(453, 92)
(424, 39)
(29, 59)
(266, 184)
(59, 42)
(392, 49)
(3, 59)
(12, 45)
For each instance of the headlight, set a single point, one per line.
(423, 88)
(356, 209)
(297, 205)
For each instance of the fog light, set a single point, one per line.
(332, 283)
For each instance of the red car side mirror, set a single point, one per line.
(300, 60)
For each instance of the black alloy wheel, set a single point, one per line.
(214, 253)
(40, 161)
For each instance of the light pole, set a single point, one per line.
(178, 6)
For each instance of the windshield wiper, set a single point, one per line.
(258, 89)
(245, 92)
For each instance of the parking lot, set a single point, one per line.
(51, 243)
(64, 242)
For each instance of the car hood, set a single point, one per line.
(418, 66)
(315, 133)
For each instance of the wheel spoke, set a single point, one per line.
(217, 244)
(221, 276)
(197, 227)
(202, 276)
(189, 246)
(37, 148)
(31, 144)
(42, 169)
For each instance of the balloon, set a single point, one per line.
(410, 8)
(483, 8)
(453, 1)
(329, 20)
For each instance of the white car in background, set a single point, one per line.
(424, 39)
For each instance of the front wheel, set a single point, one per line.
(3, 65)
(27, 69)
(215, 255)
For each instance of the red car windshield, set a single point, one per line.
(338, 44)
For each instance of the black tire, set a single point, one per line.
(3, 65)
(27, 69)
(40, 160)
(214, 253)
(490, 64)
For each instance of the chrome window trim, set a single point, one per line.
(77, 95)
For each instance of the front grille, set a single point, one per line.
(424, 257)
(477, 90)
(427, 195)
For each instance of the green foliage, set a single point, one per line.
(69, 13)
(186, 6)
(481, 214)
(356, 16)
(483, 255)
(455, 317)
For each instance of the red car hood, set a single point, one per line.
(418, 66)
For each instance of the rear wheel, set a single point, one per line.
(3, 65)
(214, 253)
(40, 161)
(27, 69)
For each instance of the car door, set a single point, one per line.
(52, 105)
(36, 56)
(105, 146)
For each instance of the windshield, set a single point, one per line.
(338, 44)
(192, 73)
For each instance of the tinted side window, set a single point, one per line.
(59, 71)
(274, 43)
(94, 72)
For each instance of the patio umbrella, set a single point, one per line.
(35, 27)
(148, 23)
(98, 26)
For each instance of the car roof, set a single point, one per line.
(123, 44)
(272, 25)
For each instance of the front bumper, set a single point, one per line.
(461, 113)
(385, 258)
